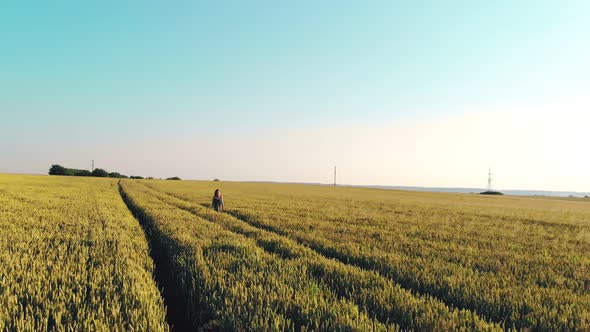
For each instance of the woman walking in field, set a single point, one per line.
(217, 201)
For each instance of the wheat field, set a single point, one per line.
(286, 257)
(72, 257)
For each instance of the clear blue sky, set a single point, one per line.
(149, 87)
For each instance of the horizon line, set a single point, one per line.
(466, 190)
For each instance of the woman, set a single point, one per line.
(217, 201)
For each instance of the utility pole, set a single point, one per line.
(334, 176)
(92, 165)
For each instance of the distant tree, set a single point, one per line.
(79, 172)
(491, 193)
(216, 180)
(99, 172)
(115, 175)
(150, 177)
(57, 170)
(136, 177)
(586, 196)
(174, 178)
(60, 170)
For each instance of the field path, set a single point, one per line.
(176, 315)
(226, 280)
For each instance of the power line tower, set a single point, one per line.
(92, 165)
(490, 187)
(334, 176)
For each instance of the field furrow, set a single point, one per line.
(230, 283)
(376, 295)
(176, 313)
(323, 249)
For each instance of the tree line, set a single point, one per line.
(97, 172)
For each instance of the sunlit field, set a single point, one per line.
(73, 258)
(459, 260)
(286, 257)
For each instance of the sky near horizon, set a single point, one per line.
(417, 93)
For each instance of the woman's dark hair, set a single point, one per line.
(216, 193)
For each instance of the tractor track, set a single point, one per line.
(326, 253)
(176, 314)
